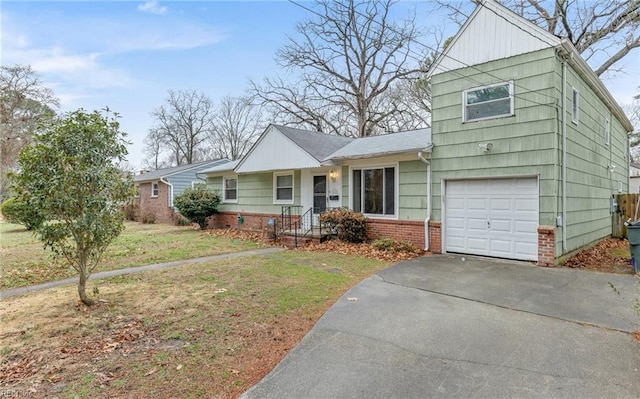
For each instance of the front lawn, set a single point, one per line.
(25, 262)
(205, 331)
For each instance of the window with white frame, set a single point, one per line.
(607, 132)
(154, 189)
(230, 189)
(575, 105)
(283, 188)
(374, 190)
(488, 102)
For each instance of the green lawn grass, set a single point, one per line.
(26, 262)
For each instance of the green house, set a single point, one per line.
(526, 149)
(529, 146)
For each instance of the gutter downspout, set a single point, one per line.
(170, 193)
(564, 155)
(428, 218)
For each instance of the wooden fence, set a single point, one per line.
(626, 210)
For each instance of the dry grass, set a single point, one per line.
(206, 331)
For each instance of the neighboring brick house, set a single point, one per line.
(158, 188)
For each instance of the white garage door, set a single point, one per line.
(492, 217)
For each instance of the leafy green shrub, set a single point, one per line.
(394, 246)
(15, 210)
(197, 204)
(350, 226)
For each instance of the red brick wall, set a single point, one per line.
(435, 236)
(546, 245)
(406, 230)
(159, 206)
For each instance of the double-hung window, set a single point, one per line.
(283, 188)
(488, 102)
(374, 190)
(154, 189)
(230, 189)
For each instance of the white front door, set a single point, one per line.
(492, 217)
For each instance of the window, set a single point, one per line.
(575, 106)
(488, 102)
(607, 132)
(374, 191)
(230, 189)
(154, 189)
(283, 188)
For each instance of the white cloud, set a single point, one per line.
(153, 7)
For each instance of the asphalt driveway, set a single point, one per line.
(456, 327)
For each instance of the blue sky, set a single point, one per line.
(127, 54)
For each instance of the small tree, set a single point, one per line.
(197, 204)
(69, 175)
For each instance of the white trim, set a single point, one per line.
(575, 105)
(157, 184)
(511, 112)
(224, 189)
(607, 131)
(275, 187)
(396, 188)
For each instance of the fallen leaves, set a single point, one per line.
(606, 256)
(363, 249)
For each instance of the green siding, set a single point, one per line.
(412, 190)
(530, 143)
(255, 193)
(523, 145)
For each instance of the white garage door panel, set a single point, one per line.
(492, 217)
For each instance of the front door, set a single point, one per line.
(319, 196)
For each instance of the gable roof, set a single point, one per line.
(284, 148)
(318, 145)
(385, 144)
(226, 167)
(511, 34)
(167, 172)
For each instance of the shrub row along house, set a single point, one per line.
(525, 151)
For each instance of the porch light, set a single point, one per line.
(333, 175)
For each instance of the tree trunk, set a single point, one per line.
(82, 285)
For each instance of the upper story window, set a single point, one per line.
(154, 189)
(607, 132)
(575, 106)
(283, 188)
(488, 102)
(230, 189)
(374, 190)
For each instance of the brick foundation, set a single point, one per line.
(406, 230)
(435, 236)
(546, 245)
(158, 206)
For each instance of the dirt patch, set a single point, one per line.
(608, 256)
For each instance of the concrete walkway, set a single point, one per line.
(463, 327)
(133, 270)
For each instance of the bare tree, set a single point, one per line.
(633, 113)
(182, 125)
(24, 105)
(236, 125)
(346, 59)
(604, 32)
(153, 149)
